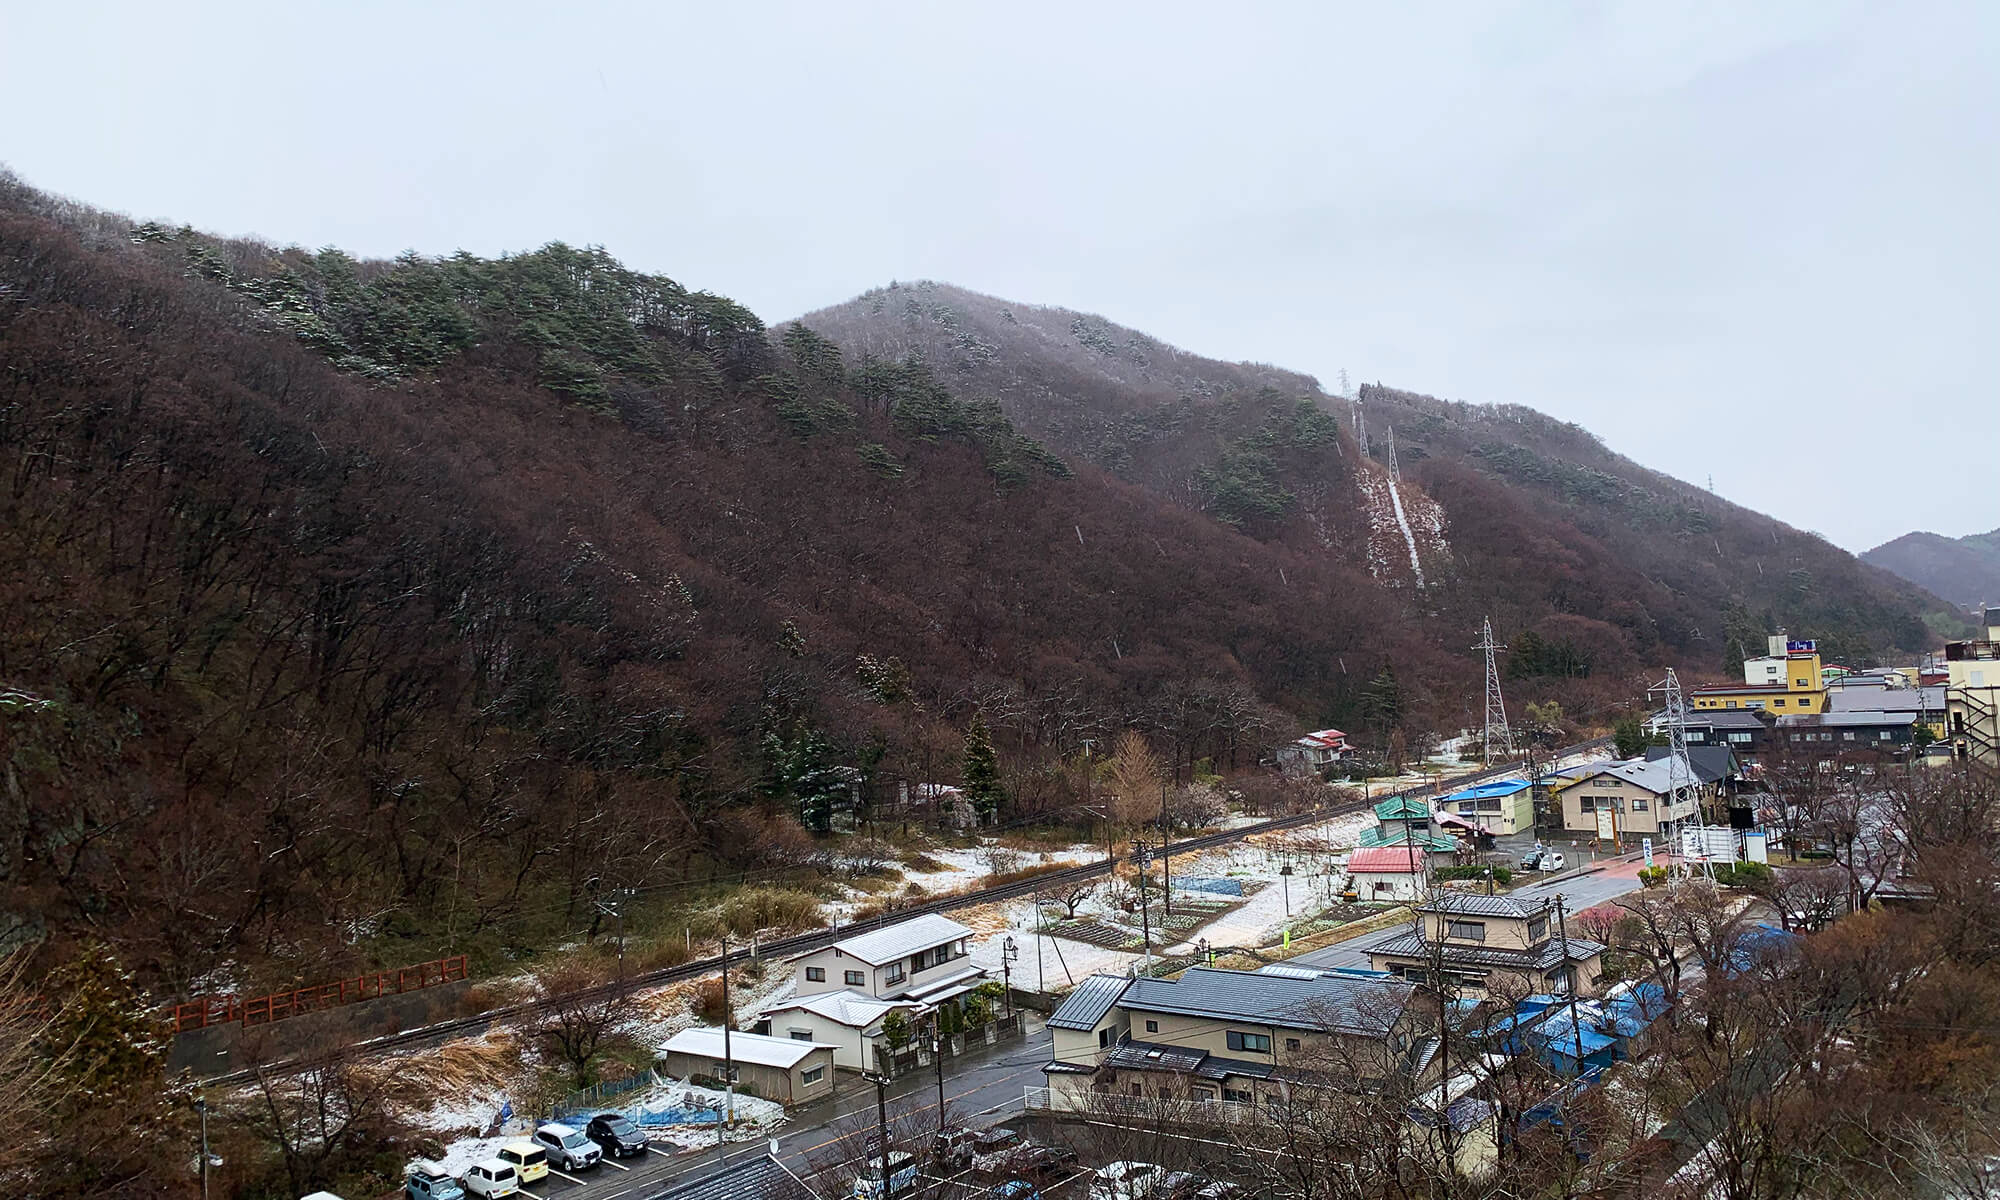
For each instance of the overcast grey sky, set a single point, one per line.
(1755, 241)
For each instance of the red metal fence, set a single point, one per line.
(257, 1010)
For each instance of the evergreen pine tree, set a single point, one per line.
(982, 771)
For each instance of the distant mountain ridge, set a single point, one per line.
(1965, 570)
(1499, 509)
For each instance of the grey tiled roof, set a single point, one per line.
(1150, 1056)
(1472, 904)
(761, 1178)
(1541, 958)
(1088, 1002)
(1367, 1006)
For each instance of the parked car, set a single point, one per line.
(1017, 1189)
(567, 1147)
(992, 1141)
(494, 1177)
(954, 1148)
(1042, 1162)
(529, 1161)
(1125, 1181)
(1542, 860)
(902, 1170)
(425, 1180)
(616, 1135)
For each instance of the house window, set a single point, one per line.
(1640, 805)
(1848, 735)
(812, 1076)
(1236, 1097)
(1152, 1027)
(800, 1035)
(1778, 703)
(1291, 1044)
(815, 974)
(1103, 1038)
(856, 979)
(1732, 704)
(1538, 929)
(893, 974)
(1255, 1043)
(1587, 804)
(1741, 739)
(1466, 931)
(1205, 1095)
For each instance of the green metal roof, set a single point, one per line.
(1437, 843)
(1402, 808)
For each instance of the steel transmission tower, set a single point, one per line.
(1680, 775)
(1497, 732)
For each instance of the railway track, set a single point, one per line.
(799, 943)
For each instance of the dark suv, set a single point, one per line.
(617, 1136)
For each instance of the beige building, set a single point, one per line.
(1491, 946)
(1224, 1043)
(781, 1069)
(1631, 799)
(1972, 695)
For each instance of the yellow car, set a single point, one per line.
(530, 1160)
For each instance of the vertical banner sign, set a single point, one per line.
(1647, 845)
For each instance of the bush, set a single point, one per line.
(1652, 876)
(1501, 875)
(1749, 875)
(767, 908)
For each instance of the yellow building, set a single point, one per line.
(1786, 681)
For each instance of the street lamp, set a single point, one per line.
(1285, 877)
(1009, 951)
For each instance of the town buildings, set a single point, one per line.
(1502, 808)
(1316, 752)
(1233, 1038)
(1972, 695)
(847, 994)
(788, 1070)
(1490, 946)
(1786, 680)
(1634, 798)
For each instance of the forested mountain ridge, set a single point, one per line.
(361, 611)
(1539, 524)
(1964, 570)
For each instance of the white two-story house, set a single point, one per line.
(845, 992)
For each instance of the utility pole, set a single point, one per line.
(937, 1060)
(728, 1059)
(1496, 731)
(1143, 856)
(201, 1106)
(881, 1083)
(1285, 877)
(1089, 769)
(1569, 972)
(615, 909)
(1166, 857)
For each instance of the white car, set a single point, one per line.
(566, 1147)
(491, 1178)
(1126, 1181)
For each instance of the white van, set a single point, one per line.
(491, 1178)
(902, 1176)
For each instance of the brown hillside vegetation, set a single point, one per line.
(1544, 528)
(362, 610)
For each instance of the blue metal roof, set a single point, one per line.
(1486, 791)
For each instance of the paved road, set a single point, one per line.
(1615, 878)
(982, 1089)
